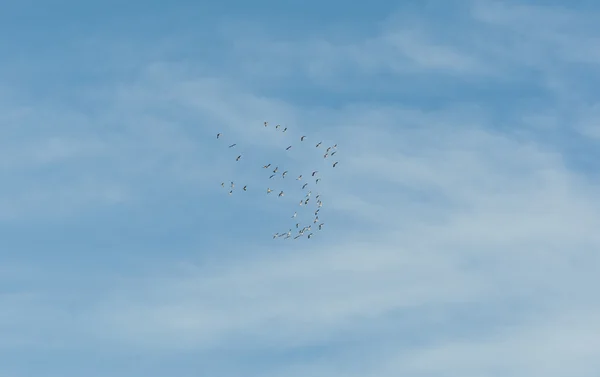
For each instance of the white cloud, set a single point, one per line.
(519, 227)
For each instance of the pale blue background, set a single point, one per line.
(461, 234)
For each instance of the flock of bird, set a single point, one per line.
(307, 184)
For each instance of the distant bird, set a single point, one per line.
(277, 126)
(314, 172)
(308, 193)
(294, 215)
(319, 144)
(265, 124)
(321, 225)
(328, 149)
(245, 188)
(318, 179)
(285, 129)
(238, 157)
(304, 186)
(222, 184)
(297, 225)
(302, 138)
(275, 170)
(299, 177)
(316, 212)
(232, 185)
(230, 192)
(302, 202)
(288, 148)
(272, 175)
(310, 235)
(275, 235)
(306, 201)
(332, 153)
(281, 194)
(218, 135)
(335, 146)
(325, 155)
(299, 235)
(284, 173)
(266, 166)
(335, 163)
(269, 191)
(232, 145)
(316, 220)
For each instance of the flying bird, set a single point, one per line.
(245, 188)
(266, 166)
(265, 124)
(272, 175)
(269, 191)
(294, 215)
(284, 173)
(218, 135)
(314, 172)
(277, 126)
(232, 145)
(230, 192)
(238, 157)
(335, 163)
(328, 149)
(285, 129)
(334, 152)
(321, 225)
(288, 148)
(276, 168)
(304, 186)
(318, 179)
(310, 235)
(232, 185)
(302, 138)
(299, 177)
(319, 144)
(281, 194)
(222, 184)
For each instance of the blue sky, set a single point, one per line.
(461, 234)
